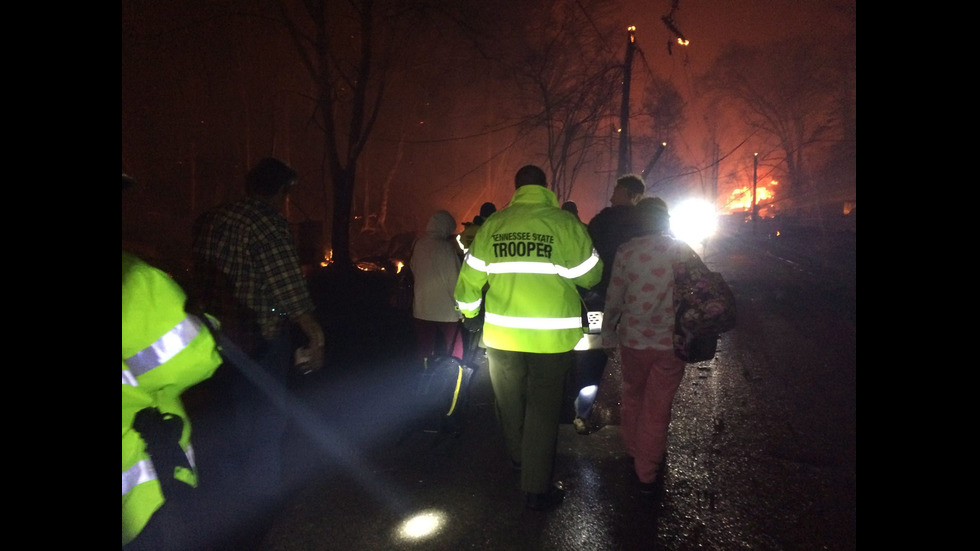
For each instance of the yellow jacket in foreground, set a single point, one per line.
(165, 350)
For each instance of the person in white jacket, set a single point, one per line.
(435, 266)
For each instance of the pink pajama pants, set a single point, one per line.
(650, 380)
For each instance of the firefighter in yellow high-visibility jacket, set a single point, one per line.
(165, 350)
(533, 257)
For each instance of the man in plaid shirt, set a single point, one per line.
(247, 274)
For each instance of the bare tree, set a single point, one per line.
(789, 93)
(349, 49)
(564, 70)
(663, 108)
(569, 77)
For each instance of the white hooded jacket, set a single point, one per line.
(435, 266)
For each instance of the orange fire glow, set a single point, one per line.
(741, 198)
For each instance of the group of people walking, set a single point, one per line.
(528, 271)
(519, 276)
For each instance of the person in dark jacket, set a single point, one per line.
(571, 207)
(610, 228)
(465, 238)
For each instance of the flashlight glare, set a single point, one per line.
(693, 221)
(421, 525)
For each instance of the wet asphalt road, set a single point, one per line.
(762, 450)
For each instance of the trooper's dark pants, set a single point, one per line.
(529, 389)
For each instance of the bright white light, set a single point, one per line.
(422, 525)
(693, 221)
(588, 392)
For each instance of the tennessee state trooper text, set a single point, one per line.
(522, 244)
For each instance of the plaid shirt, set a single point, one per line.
(248, 268)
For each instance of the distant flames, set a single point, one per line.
(741, 199)
(363, 266)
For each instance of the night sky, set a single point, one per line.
(205, 95)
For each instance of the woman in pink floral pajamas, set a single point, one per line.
(639, 319)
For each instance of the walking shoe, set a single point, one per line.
(546, 501)
(580, 426)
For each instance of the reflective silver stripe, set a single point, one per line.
(128, 378)
(166, 347)
(470, 305)
(143, 471)
(139, 473)
(476, 263)
(190, 455)
(537, 267)
(534, 323)
(572, 273)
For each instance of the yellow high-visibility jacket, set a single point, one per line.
(164, 351)
(534, 255)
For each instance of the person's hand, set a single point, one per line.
(473, 325)
(316, 357)
(309, 359)
(313, 352)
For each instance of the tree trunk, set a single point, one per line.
(343, 193)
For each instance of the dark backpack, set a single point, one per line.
(704, 309)
(442, 392)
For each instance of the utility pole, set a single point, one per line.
(755, 181)
(625, 161)
(625, 164)
(653, 161)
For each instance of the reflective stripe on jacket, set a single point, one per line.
(164, 351)
(534, 256)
